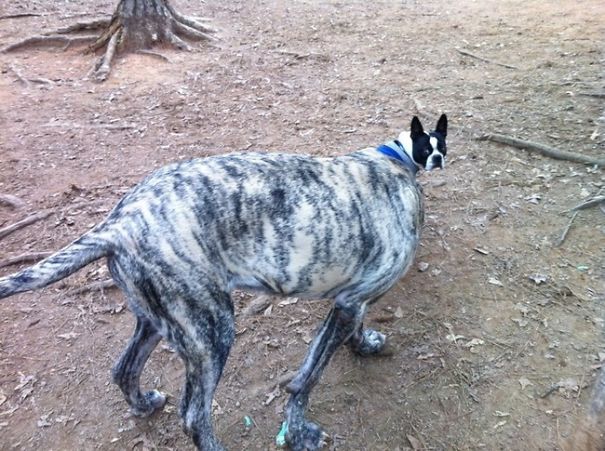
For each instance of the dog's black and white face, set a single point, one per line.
(428, 150)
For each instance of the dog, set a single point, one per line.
(344, 228)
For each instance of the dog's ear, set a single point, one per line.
(416, 129)
(442, 125)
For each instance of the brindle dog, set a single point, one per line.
(344, 228)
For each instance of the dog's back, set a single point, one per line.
(283, 223)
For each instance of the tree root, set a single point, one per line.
(129, 29)
(53, 40)
(103, 66)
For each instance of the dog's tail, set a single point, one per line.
(84, 250)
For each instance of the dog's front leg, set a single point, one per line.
(127, 371)
(342, 321)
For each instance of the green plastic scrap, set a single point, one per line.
(248, 422)
(280, 439)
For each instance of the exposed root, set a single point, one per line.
(79, 40)
(102, 40)
(51, 40)
(155, 55)
(190, 21)
(191, 32)
(96, 24)
(103, 67)
(177, 42)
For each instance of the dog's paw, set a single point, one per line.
(372, 342)
(306, 436)
(152, 401)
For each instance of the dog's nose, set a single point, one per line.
(438, 161)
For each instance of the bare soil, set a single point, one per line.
(496, 342)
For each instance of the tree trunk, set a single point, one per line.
(136, 25)
(140, 24)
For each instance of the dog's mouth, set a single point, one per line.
(434, 162)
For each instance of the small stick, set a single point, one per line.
(589, 203)
(20, 77)
(420, 109)
(100, 285)
(19, 15)
(553, 388)
(598, 95)
(542, 149)
(11, 201)
(6, 231)
(480, 58)
(24, 258)
(566, 231)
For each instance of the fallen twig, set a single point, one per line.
(4, 232)
(26, 81)
(566, 230)
(20, 77)
(542, 149)
(553, 388)
(480, 58)
(20, 15)
(589, 203)
(598, 95)
(24, 258)
(420, 109)
(99, 285)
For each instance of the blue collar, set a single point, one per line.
(394, 149)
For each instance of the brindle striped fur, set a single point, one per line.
(344, 228)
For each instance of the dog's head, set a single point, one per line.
(428, 150)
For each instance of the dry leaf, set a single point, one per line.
(474, 342)
(538, 278)
(288, 301)
(414, 442)
(68, 336)
(398, 313)
(525, 382)
(494, 281)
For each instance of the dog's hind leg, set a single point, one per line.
(342, 322)
(203, 339)
(127, 371)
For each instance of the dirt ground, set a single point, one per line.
(496, 331)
